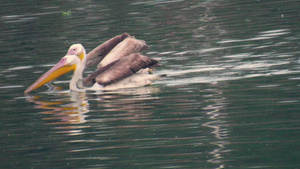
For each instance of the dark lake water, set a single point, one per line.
(230, 99)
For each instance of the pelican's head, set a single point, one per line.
(78, 50)
(74, 60)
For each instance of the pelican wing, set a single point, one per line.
(126, 47)
(97, 54)
(120, 69)
(114, 49)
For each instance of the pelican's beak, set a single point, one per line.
(59, 69)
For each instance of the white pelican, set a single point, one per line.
(121, 66)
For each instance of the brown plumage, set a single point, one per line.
(97, 54)
(119, 58)
(118, 46)
(120, 69)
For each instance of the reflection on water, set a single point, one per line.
(70, 110)
(124, 121)
(218, 124)
(118, 101)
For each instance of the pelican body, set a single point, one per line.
(120, 65)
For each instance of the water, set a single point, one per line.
(230, 100)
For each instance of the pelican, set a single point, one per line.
(120, 66)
